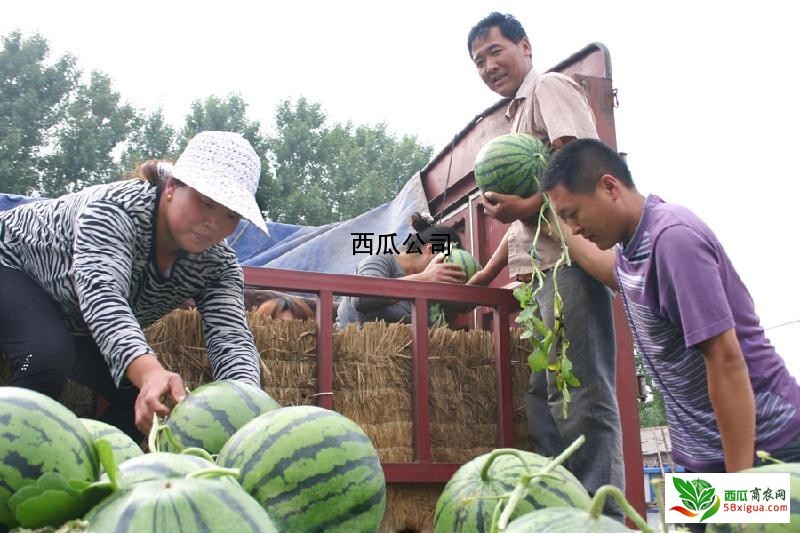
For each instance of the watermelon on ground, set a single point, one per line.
(39, 435)
(161, 465)
(211, 413)
(180, 505)
(565, 520)
(511, 164)
(312, 469)
(469, 499)
(123, 446)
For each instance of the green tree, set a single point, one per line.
(33, 94)
(229, 114)
(330, 173)
(151, 138)
(96, 123)
(651, 410)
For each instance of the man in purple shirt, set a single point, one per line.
(727, 392)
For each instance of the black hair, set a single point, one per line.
(426, 228)
(509, 27)
(581, 163)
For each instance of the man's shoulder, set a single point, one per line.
(555, 79)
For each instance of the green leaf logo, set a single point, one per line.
(697, 495)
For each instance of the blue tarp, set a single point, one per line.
(329, 248)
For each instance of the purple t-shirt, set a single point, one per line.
(680, 289)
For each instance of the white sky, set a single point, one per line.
(708, 90)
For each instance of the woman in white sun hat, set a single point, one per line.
(81, 275)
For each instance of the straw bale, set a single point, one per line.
(410, 507)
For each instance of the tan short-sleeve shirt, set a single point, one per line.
(548, 106)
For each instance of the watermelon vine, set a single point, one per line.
(547, 340)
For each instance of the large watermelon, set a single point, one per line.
(469, 499)
(312, 469)
(565, 520)
(511, 164)
(39, 435)
(180, 505)
(794, 503)
(124, 447)
(161, 465)
(211, 413)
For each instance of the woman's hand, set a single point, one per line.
(155, 384)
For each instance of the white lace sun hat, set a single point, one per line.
(223, 166)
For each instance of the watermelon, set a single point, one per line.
(469, 499)
(178, 505)
(124, 447)
(312, 469)
(161, 465)
(511, 164)
(465, 260)
(39, 435)
(565, 520)
(570, 519)
(211, 413)
(794, 503)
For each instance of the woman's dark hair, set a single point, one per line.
(427, 230)
(156, 173)
(273, 307)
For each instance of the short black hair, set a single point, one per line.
(581, 163)
(509, 27)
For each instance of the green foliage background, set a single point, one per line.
(61, 130)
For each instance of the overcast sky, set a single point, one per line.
(707, 90)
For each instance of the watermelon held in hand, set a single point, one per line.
(465, 260)
(178, 505)
(469, 499)
(312, 470)
(511, 164)
(39, 436)
(124, 447)
(211, 413)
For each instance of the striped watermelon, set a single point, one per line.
(161, 465)
(39, 435)
(211, 413)
(511, 164)
(794, 504)
(565, 520)
(312, 469)
(180, 505)
(124, 447)
(465, 260)
(468, 500)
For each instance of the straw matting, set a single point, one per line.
(372, 386)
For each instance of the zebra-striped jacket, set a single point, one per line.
(93, 253)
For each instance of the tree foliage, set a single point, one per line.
(331, 173)
(651, 410)
(60, 133)
(33, 97)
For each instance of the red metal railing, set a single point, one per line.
(502, 301)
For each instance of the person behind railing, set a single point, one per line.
(413, 263)
(286, 308)
(81, 275)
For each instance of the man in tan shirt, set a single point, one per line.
(553, 108)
